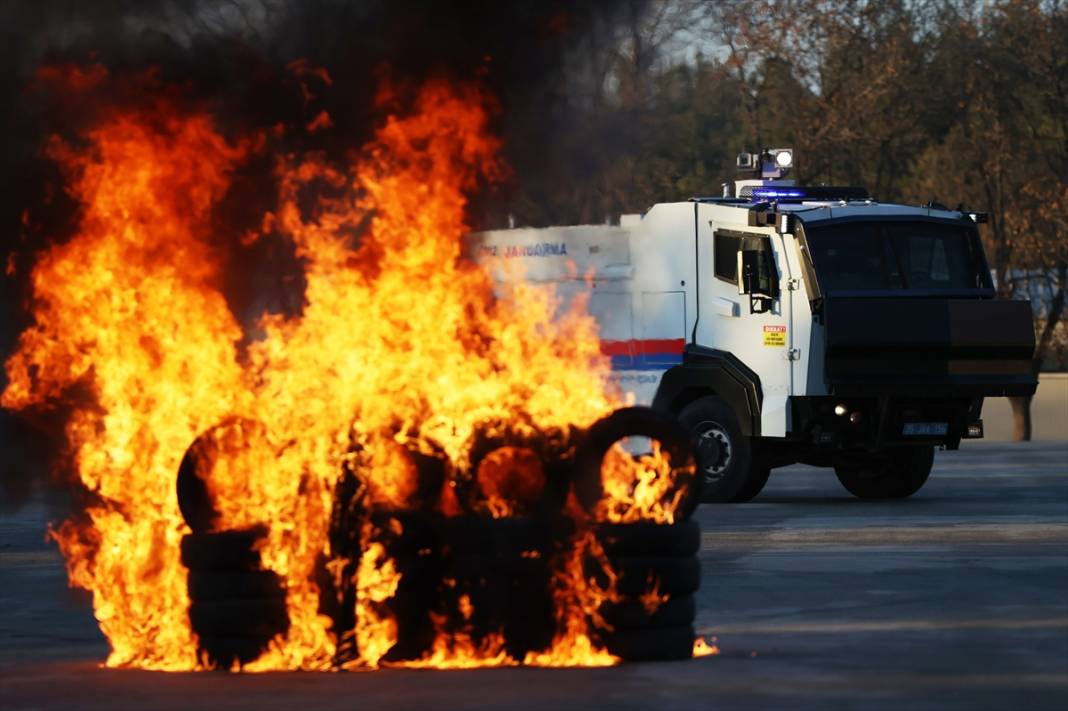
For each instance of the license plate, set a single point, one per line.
(925, 429)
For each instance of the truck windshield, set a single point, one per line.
(881, 256)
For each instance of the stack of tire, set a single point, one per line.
(235, 606)
(410, 540)
(499, 580)
(499, 568)
(655, 564)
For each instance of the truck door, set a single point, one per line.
(753, 327)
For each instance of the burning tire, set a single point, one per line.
(210, 585)
(649, 538)
(223, 551)
(256, 617)
(633, 614)
(484, 573)
(231, 442)
(478, 535)
(362, 519)
(235, 607)
(529, 469)
(413, 545)
(635, 422)
(668, 575)
(651, 564)
(656, 605)
(501, 574)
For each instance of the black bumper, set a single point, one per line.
(928, 348)
(873, 423)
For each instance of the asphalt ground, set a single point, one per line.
(954, 599)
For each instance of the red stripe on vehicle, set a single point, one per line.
(643, 346)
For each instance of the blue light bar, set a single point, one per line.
(798, 193)
(760, 194)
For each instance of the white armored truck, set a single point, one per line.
(789, 324)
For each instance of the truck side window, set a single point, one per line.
(725, 258)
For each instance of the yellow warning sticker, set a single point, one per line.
(775, 335)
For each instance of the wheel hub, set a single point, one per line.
(714, 451)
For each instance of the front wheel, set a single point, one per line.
(724, 454)
(895, 474)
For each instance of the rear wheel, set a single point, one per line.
(724, 454)
(894, 474)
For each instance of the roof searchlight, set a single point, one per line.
(769, 164)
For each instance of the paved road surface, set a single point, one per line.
(955, 599)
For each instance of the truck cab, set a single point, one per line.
(793, 324)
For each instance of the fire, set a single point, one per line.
(509, 476)
(652, 599)
(376, 581)
(459, 651)
(643, 488)
(401, 346)
(132, 333)
(705, 648)
(578, 600)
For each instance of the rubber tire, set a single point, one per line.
(651, 644)
(510, 595)
(675, 575)
(212, 585)
(225, 551)
(626, 422)
(551, 447)
(631, 613)
(738, 482)
(648, 538)
(480, 535)
(477, 565)
(194, 498)
(252, 618)
(898, 474)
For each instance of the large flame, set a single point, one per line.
(399, 337)
(128, 309)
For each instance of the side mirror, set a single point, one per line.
(749, 281)
(749, 271)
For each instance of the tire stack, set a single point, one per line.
(235, 607)
(497, 570)
(655, 565)
(410, 540)
(499, 580)
(642, 627)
